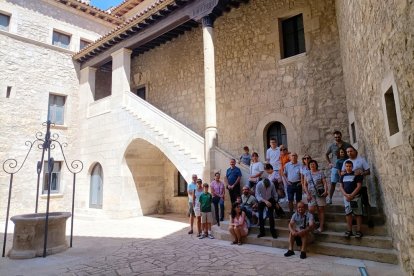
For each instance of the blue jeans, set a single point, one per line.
(218, 201)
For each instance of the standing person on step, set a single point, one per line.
(206, 217)
(332, 150)
(245, 158)
(218, 191)
(232, 180)
(284, 159)
(267, 197)
(360, 167)
(273, 154)
(316, 189)
(256, 171)
(191, 187)
(292, 174)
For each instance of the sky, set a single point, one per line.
(105, 4)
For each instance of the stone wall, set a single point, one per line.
(376, 45)
(254, 86)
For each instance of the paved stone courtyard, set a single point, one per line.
(158, 246)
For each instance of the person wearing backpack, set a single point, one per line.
(300, 230)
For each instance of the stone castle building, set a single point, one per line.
(152, 91)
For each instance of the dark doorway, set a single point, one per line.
(278, 131)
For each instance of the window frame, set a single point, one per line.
(84, 41)
(282, 35)
(180, 178)
(54, 109)
(6, 14)
(46, 177)
(61, 33)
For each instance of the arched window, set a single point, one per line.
(96, 191)
(278, 131)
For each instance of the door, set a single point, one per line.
(96, 191)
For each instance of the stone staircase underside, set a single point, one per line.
(375, 245)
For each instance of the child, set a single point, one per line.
(206, 216)
(245, 157)
(341, 154)
(350, 187)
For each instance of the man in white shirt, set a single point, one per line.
(273, 154)
(256, 171)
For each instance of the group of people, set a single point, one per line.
(269, 183)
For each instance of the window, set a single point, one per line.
(83, 44)
(142, 92)
(4, 22)
(61, 40)
(182, 185)
(57, 109)
(391, 111)
(96, 189)
(55, 178)
(353, 133)
(8, 91)
(293, 36)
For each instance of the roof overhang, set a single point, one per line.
(162, 22)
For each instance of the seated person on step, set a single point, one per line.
(238, 224)
(300, 230)
(248, 204)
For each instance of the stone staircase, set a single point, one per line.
(375, 245)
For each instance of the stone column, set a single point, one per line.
(121, 72)
(210, 134)
(86, 89)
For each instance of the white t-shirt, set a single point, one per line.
(273, 155)
(256, 168)
(358, 163)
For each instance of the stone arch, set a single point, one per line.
(263, 125)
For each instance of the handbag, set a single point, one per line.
(319, 191)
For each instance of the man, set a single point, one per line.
(300, 228)
(191, 187)
(293, 177)
(267, 197)
(256, 170)
(274, 177)
(360, 167)
(218, 191)
(334, 149)
(232, 180)
(248, 202)
(273, 154)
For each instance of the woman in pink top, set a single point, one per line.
(238, 224)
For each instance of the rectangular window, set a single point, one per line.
(57, 109)
(142, 92)
(61, 40)
(55, 178)
(4, 22)
(353, 133)
(391, 111)
(83, 43)
(293, 36)
(182, 185)
(8, 91)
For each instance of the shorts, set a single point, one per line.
(357, 211)
(190, 209)
(334, 175)
(197, 210)
(294, 189)
(206, 217)
(317, 201)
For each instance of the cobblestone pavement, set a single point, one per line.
(153, 246)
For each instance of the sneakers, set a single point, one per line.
(348, 234)
(198, 235)
(210, 236)
(202, 236)
(303, 255)
(289, 253)
(358, 234)
(328, 200)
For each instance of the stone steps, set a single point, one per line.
(325, 248)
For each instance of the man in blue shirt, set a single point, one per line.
(232, 180)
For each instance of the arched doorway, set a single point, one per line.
(96, 187)
(278, 131)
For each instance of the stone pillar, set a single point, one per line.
(210, 134)
(121, 72)
(86, 89)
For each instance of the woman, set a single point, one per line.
(316, 189)
(238, 224)
(304, 169)
(196, 200)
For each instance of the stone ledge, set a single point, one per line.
(292, 58)
(44, 196)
